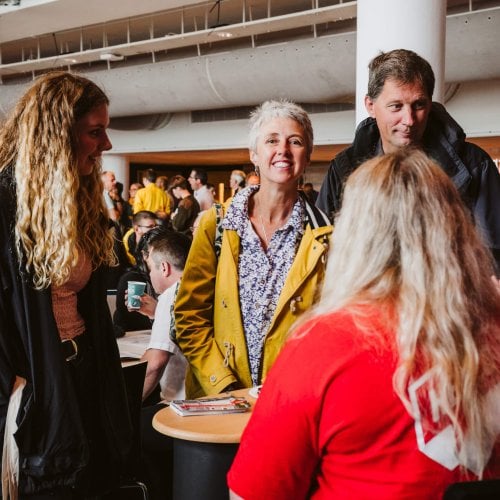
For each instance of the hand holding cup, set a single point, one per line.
(135, 289)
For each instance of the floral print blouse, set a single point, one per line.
(261, 274)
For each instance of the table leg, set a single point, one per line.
(200, 470)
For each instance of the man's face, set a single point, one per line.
(193, 181)
(401, 111)
(143, 227)
(109, 181)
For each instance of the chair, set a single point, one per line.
(131, 488)
(474, 490)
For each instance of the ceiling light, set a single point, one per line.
(108, 56)
(223, 34)
(220, 32)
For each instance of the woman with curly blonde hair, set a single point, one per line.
(60, 374)
(399, 395)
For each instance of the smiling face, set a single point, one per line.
(401, 111)
(91, 138)
(281, 152)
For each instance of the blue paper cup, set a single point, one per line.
(135, 290)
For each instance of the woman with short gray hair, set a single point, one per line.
(252, 271)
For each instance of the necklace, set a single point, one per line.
(272, 226)
(263, 229)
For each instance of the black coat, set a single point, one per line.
(53, 447)
(469, 167)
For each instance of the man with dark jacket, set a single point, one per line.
(399, 102)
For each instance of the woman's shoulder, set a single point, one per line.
(187, 202)
(343, 330)
(326, 324)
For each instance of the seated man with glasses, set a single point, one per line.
(142, 222)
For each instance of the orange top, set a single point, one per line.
(64, 300)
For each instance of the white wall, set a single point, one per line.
(475, 106)
(181, 135)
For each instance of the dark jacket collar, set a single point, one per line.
(443, 141)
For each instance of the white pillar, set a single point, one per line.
(118, 164)
(383, 25)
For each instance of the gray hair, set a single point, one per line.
(279, 109)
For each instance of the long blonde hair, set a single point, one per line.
(59, 213)
(405, 243)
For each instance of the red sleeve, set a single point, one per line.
(279, 452)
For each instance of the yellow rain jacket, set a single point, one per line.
(207, 311)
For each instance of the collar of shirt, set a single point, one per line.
(236, 218)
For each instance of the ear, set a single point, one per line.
(369, 105)
(165, 269)
(254, 158)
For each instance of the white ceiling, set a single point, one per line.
(174, 59)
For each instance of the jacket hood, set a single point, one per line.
(440, 119)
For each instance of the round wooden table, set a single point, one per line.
(204, 449)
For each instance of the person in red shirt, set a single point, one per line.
(390, 388)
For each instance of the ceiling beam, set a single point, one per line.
(234, 31)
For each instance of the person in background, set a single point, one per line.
(402, 396)
(162, 182)
(64, 413)
(125, 320)
(252, 179)
(152, 198)
(128, 207)
(166, 258)
(132, 191)
(187, 208)
(142, 222)
(310, 192)
(120, 204)
(173, 200)
(115, 193)
(399, 102)
(213, 192)
(198, 180)
(249, 277)
(236, 183)
(111, 200)
(109, 183)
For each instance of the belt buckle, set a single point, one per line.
(75, 348)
